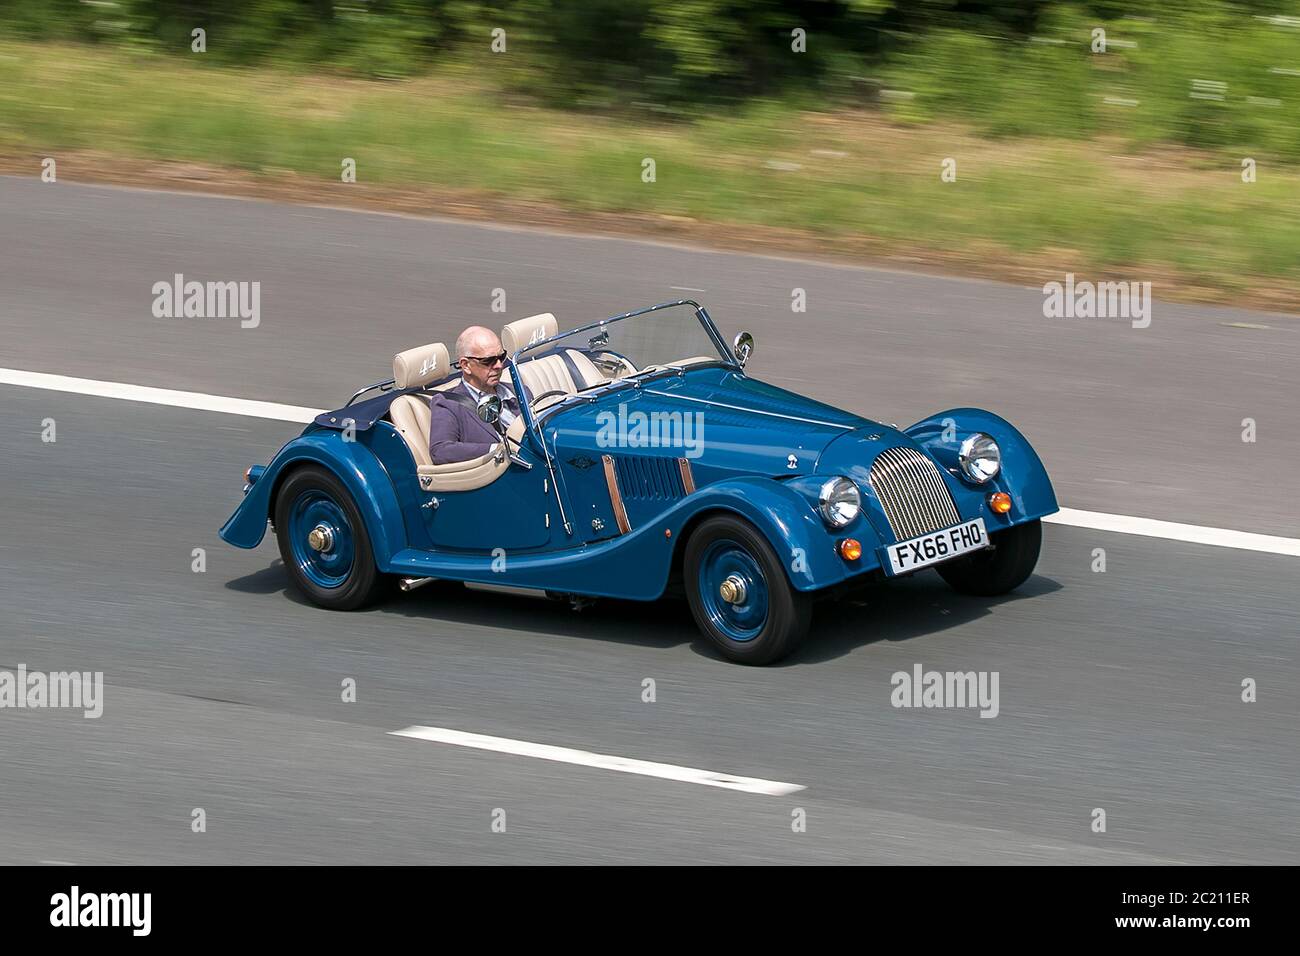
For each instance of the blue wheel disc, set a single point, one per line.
(740, 620)
(329, 567)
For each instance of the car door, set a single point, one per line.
(516, 511)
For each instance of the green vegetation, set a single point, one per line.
(1010, 66)
(1128, 159)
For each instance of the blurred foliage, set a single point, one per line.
(1011, 67)
(758, 137)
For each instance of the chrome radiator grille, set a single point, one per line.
(912, 491)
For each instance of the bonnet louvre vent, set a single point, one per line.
(646, 478)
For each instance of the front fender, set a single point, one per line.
(1023, 476)
(794, 529)
(353, 463)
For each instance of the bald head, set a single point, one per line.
(478, 342)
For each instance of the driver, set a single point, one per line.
(456, 433)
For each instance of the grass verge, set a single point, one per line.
(844, 183)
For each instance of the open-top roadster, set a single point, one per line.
(646, 458)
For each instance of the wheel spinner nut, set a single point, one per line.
(320, 538)
(732, 590)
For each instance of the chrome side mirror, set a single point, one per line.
(743, 347)
(489, 409)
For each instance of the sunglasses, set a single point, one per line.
(487, 361)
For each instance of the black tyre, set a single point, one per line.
(739, 593)
(323, 541)
(1003, 569)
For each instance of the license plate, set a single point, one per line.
(937, 546)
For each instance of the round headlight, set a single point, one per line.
(839, 502)
(980, 458)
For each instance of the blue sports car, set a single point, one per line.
(645, 460)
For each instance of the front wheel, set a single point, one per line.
(1002, 569)
(323, 541)
(739, 593)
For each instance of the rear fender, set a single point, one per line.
(353, 463)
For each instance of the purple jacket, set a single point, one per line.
(456, 433)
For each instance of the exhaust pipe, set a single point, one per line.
(410, 584)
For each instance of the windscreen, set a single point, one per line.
(622, 347)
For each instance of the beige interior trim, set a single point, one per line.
(410, 415)
(696, 360)
(462, 475)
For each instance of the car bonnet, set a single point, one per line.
(713, 417)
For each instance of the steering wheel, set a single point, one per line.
(629, 367)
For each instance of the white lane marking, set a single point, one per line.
(159, 396)
(686, 288)
(1094, 520)
(1173, 531)
(665, 771)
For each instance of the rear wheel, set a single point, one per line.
(739, 593)
(1003, 569)
(323, 541)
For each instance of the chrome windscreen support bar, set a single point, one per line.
(532, 422)
(550, 467)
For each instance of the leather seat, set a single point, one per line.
(568, 372)
(410, 414)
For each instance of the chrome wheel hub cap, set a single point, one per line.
(320, 538)
(732, 590)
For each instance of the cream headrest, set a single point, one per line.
(525, 332)
(416, 368)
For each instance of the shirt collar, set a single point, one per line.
(502, 392)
